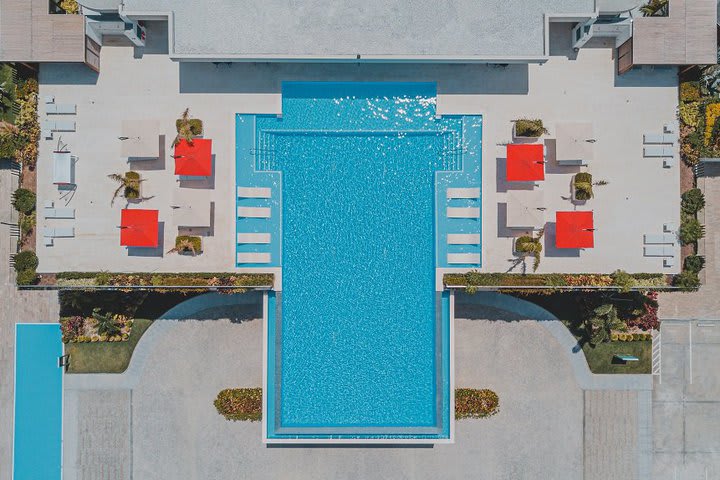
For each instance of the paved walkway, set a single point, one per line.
(706, 302)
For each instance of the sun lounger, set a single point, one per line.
(463, 212)
(59, 212)
(669, 162)
(49, 204)
(658, 251)
(59, 232)
(64, 126)
(668, 227)
(659, 238)
(651, 151)
(659, 138)
(454, 258)
(253, 238)
(669, 262)
(463, 239)
(253, 212)
(49, 99)
(48, 241)
(254, 192)
(463, 192)
(253, 257)
(670, 128)
(61, 108)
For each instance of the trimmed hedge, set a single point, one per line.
(525, 127)
(475, 279)
(183, 279)
(240, 404)
(24, 201)
(26, 260)
(472, 403)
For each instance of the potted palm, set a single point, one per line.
(582, 187)
(129, 184)
(187, 128)
(529, 129)
(529, 245)
(185, 244)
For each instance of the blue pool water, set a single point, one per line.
(37, 443)
(358, 337)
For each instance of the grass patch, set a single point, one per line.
(600, 357)
(105, 357)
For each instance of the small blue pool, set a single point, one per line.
(37, 444)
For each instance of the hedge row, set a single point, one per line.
(184, 279)
(471, 403)
(244, 404)
(630, 337)
(621, 280)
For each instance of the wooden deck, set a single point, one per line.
(29, 33)
(687, 36)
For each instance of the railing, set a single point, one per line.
(657, 354)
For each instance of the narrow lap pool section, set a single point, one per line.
(358, 338)
(37, 442)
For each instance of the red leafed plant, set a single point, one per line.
(648, 320)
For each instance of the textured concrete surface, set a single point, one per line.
(489, 28)
(15, 307)
(686, 402)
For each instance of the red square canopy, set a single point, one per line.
(525, 162)
(574, 230)
(194, 160)
(139, 228)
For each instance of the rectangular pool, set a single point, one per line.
(37, 441)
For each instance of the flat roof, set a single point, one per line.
(459, 29)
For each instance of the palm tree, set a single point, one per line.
(7, 129)
(106, 323)
(184, 245)
(184, 129)
(604, 319)
(655, 8)
(530, 246)
(129, 183)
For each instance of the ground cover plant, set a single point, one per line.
(240, 404)
(474, 403)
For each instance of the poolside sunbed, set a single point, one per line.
(668, 227)
(669, 162)
(455, 258)
(253, 212)
(668, 262)
(254, 192)
(59, 212)
(463, 212)
(253, 238)
(659, 238)
(59, 232)
(658, 251)
(463, 192)
(253, 257)
(659, 138)
(651, 151)
(463, 239)
(60, 108)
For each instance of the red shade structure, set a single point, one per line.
(194, 160)
(525, 162)
(574, 230)
(139, 228)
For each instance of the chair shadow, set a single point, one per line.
(503, 185)
(201, 231)
(159, 251)
(207, 183)
(550, 250)
(140, 164)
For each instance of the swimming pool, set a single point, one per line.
(37, 441)
(358, 338)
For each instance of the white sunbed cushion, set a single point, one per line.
(463, 212)
(659, 238)
(658, 251)
(455, 258)
(254, 192)
(463, 239)
(253, 212)
(463, 192)
(253, 237)
(253, 257)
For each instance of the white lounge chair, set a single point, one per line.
(463, 239)
(253, 257)
(652, 151)
(659, 138)
(60, 108)
(253, 238)
(59, 212)
(463, 192)
(254, 192)
(463, 212)
(668, 227)
(471, 258)
(658, 251)
(49, 99)
(64, 126)
(659, 238)
(48, 241)
(253, 212)
(668, 262)
(49, 204)
(669, 162)
(670, 128)
(59, 232)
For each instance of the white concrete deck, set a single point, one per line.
(641, 195)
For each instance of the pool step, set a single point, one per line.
(463, 239)
(253, 212)
(463, 212)
(253, 257)
(253, 238)
(254, 192)
(455, 258)
(463, 192)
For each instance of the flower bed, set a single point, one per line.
(231, 283)
(630, 336)
(472, 403)
(240, 404)
(85, 329)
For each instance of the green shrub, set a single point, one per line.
(27, 223)
(187, 244)
(26, 260)
(582, 183)
(525, 127)
(473, 403)
(196, 125)
(690, 91)
(552, 280)
(24, 200)
(687, 280)
(692, 201)
(623, 280)
(27, 277)
(691, 230)
(27, 88)
(690, 114)
(694, 263)
(243, 404)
